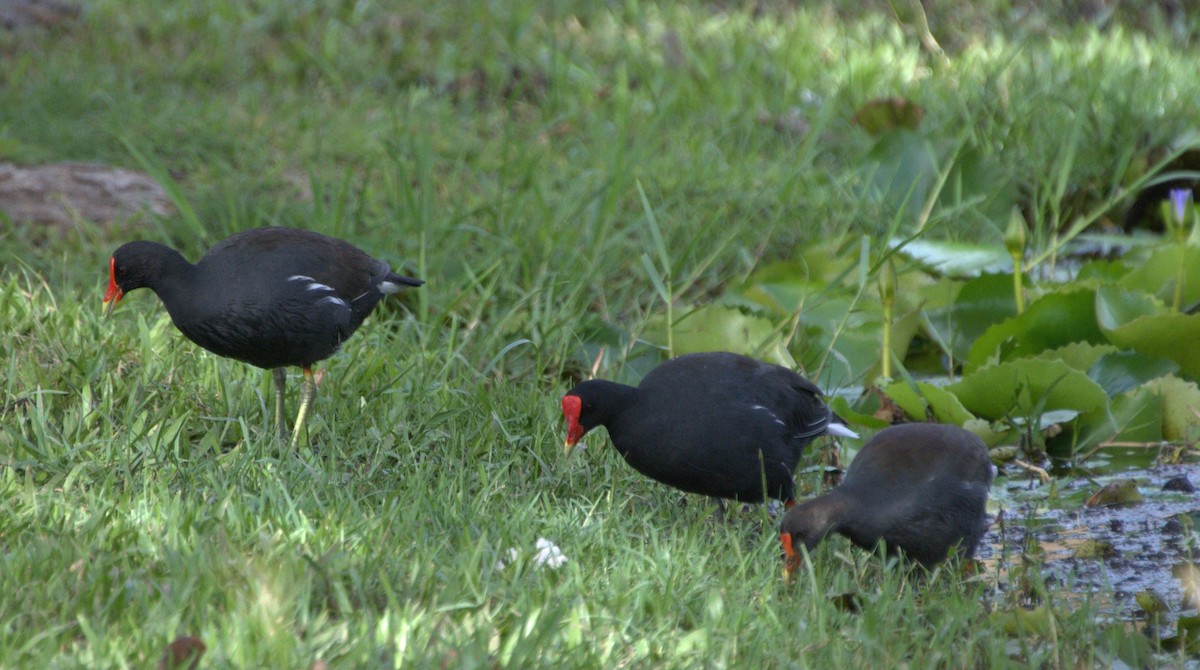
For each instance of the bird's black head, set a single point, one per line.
(591, 404)
(137, 265)
(805, 526)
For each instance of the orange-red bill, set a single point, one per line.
(572, 407)
(114, 293)
(791, 559)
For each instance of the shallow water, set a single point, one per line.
(1136, 547)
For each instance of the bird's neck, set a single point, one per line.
(611, 401)
(169, 275)
(826, 515)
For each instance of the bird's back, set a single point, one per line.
(717, 423)
(280, 296)
(924, 489)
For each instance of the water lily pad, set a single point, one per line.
(1004, 453)
(785, 287)
(1048, 418)
(1159, 274)
(1118, 492)
(1152, 603)
(1119, 371)
(1180, 402)
(993, 434)
(959, 259)
(782, 288)
(1095, 549)
(1054, 320)
(926, 399)
(1026, 387)
(840, 340)
(1131, 417)
(900, 170)
(1135, 320)
(860, 415)
(1079, 355)
(716, 328)
(1101, 272)
(957, 313)
(1116, 306)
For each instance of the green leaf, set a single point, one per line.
(716, 328)
(983, 185)
(902, 168)
(918, 402)
(1180, 400)
(784, 287)
(781, 292)
(846, 352)
(1134, 320)
(958, 259)
(1054, 320)
(1079, 355)
(1120, 371)
(1116, 307)
(1101, 272)
(1160, 272)
(1117, 492)
(1025, 387)
(958, 313)
(1187, 636)
(1132, 417)
(859, 415)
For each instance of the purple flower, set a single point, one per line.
(1179, 201)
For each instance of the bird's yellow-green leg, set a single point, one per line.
(308, 390)
(280, 375)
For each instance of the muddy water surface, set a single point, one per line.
(1111, 552)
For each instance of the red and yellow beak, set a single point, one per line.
(791, 559)
(114, 293)
(572, 407)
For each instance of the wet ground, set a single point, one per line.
(1145, 548)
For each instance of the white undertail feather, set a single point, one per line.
(840, 430)
(387, 288)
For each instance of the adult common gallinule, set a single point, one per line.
(270, 297)
(920, 488)
(719, 424)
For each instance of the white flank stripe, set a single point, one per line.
(768, 411)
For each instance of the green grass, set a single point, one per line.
(498, 150)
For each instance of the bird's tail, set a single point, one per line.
(394, 282)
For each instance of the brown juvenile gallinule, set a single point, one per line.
(718, 424)
(270, 297)
(920, 488)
